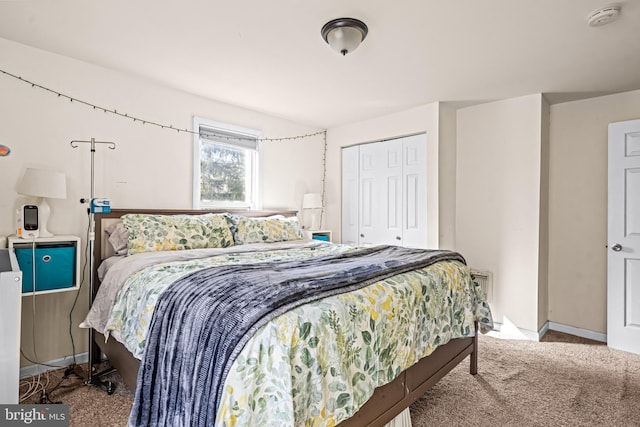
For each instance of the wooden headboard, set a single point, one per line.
(100, 247)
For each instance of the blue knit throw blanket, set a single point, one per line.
(202, 321)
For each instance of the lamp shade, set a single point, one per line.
(312, 201)
(344, 35)
(43, 183)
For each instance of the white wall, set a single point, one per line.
(578, 207)
(543, 247)
(447, 176)
(494, 214)
(498, 201)
(415, 120)
(151, 167)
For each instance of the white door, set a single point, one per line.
(381, 193)
(350, 195)
(414, 174)
(623, 261)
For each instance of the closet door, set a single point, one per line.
(381, 200)
(350, 194)
(384, 193)
(414, 178)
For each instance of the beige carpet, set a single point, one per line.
(561, 381)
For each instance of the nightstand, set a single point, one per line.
(324, 235)
(56, 259)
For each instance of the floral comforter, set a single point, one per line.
(318, 364)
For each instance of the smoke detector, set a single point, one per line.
(603, 15)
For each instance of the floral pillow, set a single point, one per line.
(264, 230)
(149, 233)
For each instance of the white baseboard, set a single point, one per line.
(579, 332)
(29, 371)
(513, 332)
(543, 330)
(510, 331)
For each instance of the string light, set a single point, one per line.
(164, 126)
(324, 176)
(152, 123)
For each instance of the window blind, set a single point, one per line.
(249, 142)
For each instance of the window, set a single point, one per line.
(225, 166)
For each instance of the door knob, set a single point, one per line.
(617, 247)
(398, 238)
(362, 235)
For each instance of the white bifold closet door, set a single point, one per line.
(350, 200)
(384, 192)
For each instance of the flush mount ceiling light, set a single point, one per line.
(344, 35)
(603, 15)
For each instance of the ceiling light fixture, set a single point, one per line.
(603, 15)
(344, 35)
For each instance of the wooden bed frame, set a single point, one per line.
(387, 401)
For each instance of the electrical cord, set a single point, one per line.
(73, 368)
(35, 385)
(33, 294)
(44, 398)
(75, 301)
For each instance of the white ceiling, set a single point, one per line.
(268, 55)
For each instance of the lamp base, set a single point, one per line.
(44, 211)
(314, 221)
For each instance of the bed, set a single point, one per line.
(354, 394)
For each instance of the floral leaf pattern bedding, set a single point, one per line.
(176, 232)
(318, 364)
(270, 229)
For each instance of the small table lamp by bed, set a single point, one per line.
(45, 184)
(311, 202)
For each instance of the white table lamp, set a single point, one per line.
(45, 184)
(312, 202)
